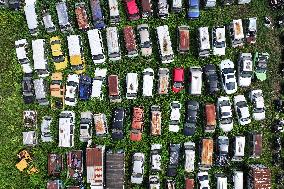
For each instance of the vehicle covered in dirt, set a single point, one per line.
(174, 152)
(117, 132)
(75, 165)
(206, 153)
(156, 121)
(210, 112)
(86, 124)
(82, 17)
(137, 124)
(163, 83)
(55, 164)
(100, 123)
(113, 88)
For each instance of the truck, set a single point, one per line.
(22, 55)
(40, 58)
(165, 44)
(237, 33)
(156, 121)
(62, 14)
(66, 129)
(76, 54)
(206, 153)
(137, 124)
(113, 88)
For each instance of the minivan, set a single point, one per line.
(114, 53)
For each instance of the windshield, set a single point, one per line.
(226, 120)
(230, 86)
(242, 104)
(228, 70)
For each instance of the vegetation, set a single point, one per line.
(13, 27)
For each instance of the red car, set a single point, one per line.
(132, 9)
(178, 80)
(189, 183)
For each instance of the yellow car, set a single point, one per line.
(60, 61)
(77, 64)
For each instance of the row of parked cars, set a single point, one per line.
(99, 22)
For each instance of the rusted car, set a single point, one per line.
(75, 164)
(113, 88)
(100, 124)
(146, 8)
(137, 124)
(210, 112)
(163, 86)
(183, 39)
(54, 184)
(30, 119)
(206, 153)
(189, 183)
(82, 17)
(156, 127)
(256, 144)
(57, 90)
(55, 164)
(130, 41)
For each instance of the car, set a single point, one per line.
(132, 10)
(30, 119)
(97, 14)
(189, 183)
(132, 85)
(100, 123)
(30, 138)
(192, 109)
(210, 112)
(223, 151)
(175, 116)
(28, 89)
(251, 30)
(183, 39)
(55, 164)
(40, 58)
(86, 124)
(177, 6)
(45, 129)
(85, 87)
(237, 33)
(156, 121)
(113, 11)
(71, 90)
(137, 124)
(163, 83)
(98, 82)
(242, 110)
(210, 3)
(228, 2)
(96, 46)
(260, 62)
(255, 144)
(118, 124)
(204, 47)
(278, 126)
(276, 4)
(14, 4)
(206, 153)
(41, 92)
(154, 181)
(178, 80)
(228, 76)
(256, 97)
(203, 179)
(51, 184)
(147, 10)
(219, 40)
(239, 148)
(66, 129)
(276, 145)
(145, 40)
(225, 115)
(195, 79)
(113, 88)
(57, 90)
(165, 44)
(211, 77)
(148, 82)
(31, 17)
(130, 41)
(279, 105)
(241, 2)
(193, 9)
(137, 168)
(238, 179)
(189, 151)
(222, 181)
(82, 16)
(156, 159)
(47, 21)
(76, 54)
(245, 69)
(170, 184)
(163, 9)
(22, 55)
(174, 160)
(59, 59)
(75, 165)
(62, 14)
(114, 53)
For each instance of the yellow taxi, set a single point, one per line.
(60, 61)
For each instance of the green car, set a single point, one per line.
(260, 61)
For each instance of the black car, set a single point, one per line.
(117, 124)
(275, 4)
(277, 144)
(85, 87)
(192, 109)
(228, 2)
(174, 160)
(279, 105)
(14, 4)
(28, 89)
(211, 78)
(276, 159)
(223, 151)
(278, 126)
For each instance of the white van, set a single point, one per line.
(204, 42)
(113, 11)
(66, 129)
(239, 148)
(63, 19)
(132, 85)
(237, 33)
(222, 182)
(238, 179)
(47, 21)
(21, 51)
(96, 46)
(195, 80)
(114, 53)
(165, 44)
(148, 82)
(100, 75)
(31, 17)
(39, 57)
(40, 91)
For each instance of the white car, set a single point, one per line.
(203, 179)
(21, 51)
(156, 157)
(189, 148)
(154, 182)
(228, 76)
(222, 181)
(257, 99)
(145, 40)
(219, 41)
(138, 168)
(66, 129)
(239, 148)
(132, 85)
(175, 116)
(224, 112)
(245, 69)
(242, 110)
(196, 80)
(86, 124)
(148, 82)
(238, 180)
(71, 90)
(98, 80)
(45, 129)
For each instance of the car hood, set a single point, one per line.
(259, 116)
(226, 127)
(244, 82)
(219, 51)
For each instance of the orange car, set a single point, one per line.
(137, 124)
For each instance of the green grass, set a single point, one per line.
(13, 27)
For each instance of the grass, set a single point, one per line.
(13, 27)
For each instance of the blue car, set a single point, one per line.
(193, 10)
(97, 14)
(85, 87)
